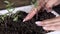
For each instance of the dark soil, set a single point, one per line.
(8, 26)
(57, 8)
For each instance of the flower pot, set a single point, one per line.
(18, 27)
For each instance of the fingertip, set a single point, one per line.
(49, 28)
(38, 23)
(45, 28)
(23, 20)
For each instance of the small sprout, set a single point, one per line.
(15, 19)
(6, 2)
(4, 15)
(2, 18)
(10, 10)
(34, 2)
(9, 7)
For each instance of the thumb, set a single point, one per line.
(50, 4)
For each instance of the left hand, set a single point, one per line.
(50, 24)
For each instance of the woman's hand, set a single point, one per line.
(50, 24)
(49, 4)
(34, 10)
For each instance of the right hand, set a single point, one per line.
(34, 10)
(41, 3)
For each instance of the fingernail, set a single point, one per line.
(38, 23)
(24, 20)
(45, 28)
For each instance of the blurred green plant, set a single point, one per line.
(10, 9)
(34, 2)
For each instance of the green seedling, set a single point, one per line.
(34, 2)
(10, 9)
(16, 18)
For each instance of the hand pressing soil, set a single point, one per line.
(8, 26)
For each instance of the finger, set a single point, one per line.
(50, 3)
(48, 21)
(57, 28)
(53, 24)
(30, 15)
(33, 12)
(49, 28)
(57, 3)
(53, 20)
(49, 9)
